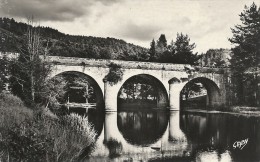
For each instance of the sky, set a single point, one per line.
(206, 22)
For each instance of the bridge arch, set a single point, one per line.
(96, 87)
(213, 97)
(158, 89)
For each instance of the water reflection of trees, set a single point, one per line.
(142, 128)
(218, 132)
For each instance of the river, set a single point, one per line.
(159, 135)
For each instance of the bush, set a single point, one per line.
(73, 139)
(26, 135)
(13, 112)
(115, 74)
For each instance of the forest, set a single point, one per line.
(60, 44)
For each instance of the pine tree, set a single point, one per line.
(161, 46)
(184, 50)
(152, 51)
(162, 42)
(245, 61)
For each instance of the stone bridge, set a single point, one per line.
(171, 79)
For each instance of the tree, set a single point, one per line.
(152, 51)
(162, 42)
(216, 57)
(218, 62)
(3, 72)
(137, 88)
(184, 50)
(29, 71)
(81, 85)
(161, 46)
(168, 56)
(191, 88)
(245, 61)
(53, 92)
(105, 54)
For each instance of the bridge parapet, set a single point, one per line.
(124, 64)
(59, 60)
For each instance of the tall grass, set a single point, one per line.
(26, 135)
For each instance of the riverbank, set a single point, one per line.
(32, 134)
(235, 110)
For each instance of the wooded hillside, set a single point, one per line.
(60, 44)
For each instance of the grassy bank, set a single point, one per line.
(30, 135)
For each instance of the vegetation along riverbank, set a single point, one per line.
(36, 135)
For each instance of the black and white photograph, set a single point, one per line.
(129, 80)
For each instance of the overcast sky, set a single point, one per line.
(207, 22)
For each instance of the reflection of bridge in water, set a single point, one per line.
(171, 141)
(192, 135)
(171, 79)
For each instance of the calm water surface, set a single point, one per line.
(154, 135)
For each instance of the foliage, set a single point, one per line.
(74, 144)
(218, 62)
(12, 110)
(162, 42)
(191, 89)
(215, 57)
(59, 89)
(245, 61)
(4, 72)
(183, 50)
(26, 135)
(152, 51)
(82, 85)
(29, 71)
(87, 90)
(138, 88)
(115, 74)
(61, 44)
(180, 51)
(161, 45)
(53, 92)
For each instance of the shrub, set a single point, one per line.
(72, 139)
(13, 112)
(26, 135)
(115, 74)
